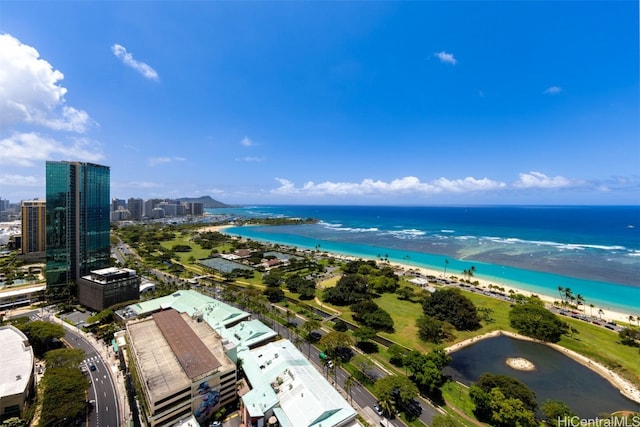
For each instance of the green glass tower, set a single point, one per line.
(78, 204)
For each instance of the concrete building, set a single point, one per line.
(21, 296)
(78, 226)
(108, 286)
(34, 226)
(135, 208)
(193, 208)
(182, 367)
(216, 313)
(148, 206)
(288, 391)
(17, 383)
(117, 204)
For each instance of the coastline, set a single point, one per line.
(608, 314)
(627, 388)
(624, 386)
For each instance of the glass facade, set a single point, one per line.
(78, 204)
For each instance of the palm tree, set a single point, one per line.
(446, 263)
(348, 385)
(591, 307)
(600, 313)
(561, 291)
(307, 327)
(568, 295)
(580, 301)
(631, 320)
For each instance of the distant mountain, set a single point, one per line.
(206, 201)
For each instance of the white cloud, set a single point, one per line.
(21, 180)
(27, 149)
(405, 185)
(154, 161)
(127, 59)
(246, 142)
(540, 180)
(553, 90)
(30, 92)
(446, 57)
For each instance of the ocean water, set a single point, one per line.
(594, 250)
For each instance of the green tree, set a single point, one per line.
(433, 330)
(425, 370)
(364, 334)
(334, 340)
(393, 391)
(64, 396)
(555, 411)
(630, 336)
(64, 358)
(397, 354)
(445, 420)
(510, 389)
(368, 313)
(509, 411)
(535, 321)
(340, 326)
(43, 336)
(450, 305)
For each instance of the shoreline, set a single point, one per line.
(624, 386)
(607, 313)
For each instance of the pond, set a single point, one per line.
(556, 376)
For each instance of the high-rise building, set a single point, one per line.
(117, 204)
(78, 207)
(33, 226)
(135, 208)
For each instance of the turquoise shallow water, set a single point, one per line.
(595, 251)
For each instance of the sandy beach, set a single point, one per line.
(607, 314)
(624, 386)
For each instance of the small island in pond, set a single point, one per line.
(520, 364)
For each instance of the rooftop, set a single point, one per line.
(214, 312)
(281, 376)
(17, 361)
(249, 333)
(193, 355)
(162, 369)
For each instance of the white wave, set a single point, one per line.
(339, 227)
(408, 232)
(447, 231)
(562, 246)
(329, 225)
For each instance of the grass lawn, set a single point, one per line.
(592, 341)
(405, 313)
(196, 251)
(604, 346)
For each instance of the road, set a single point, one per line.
(359, 394)
(105, 410)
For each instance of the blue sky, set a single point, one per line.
(326, 102)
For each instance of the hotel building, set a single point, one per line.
(78, 208)
(34, 219)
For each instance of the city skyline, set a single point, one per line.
(412, 103)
